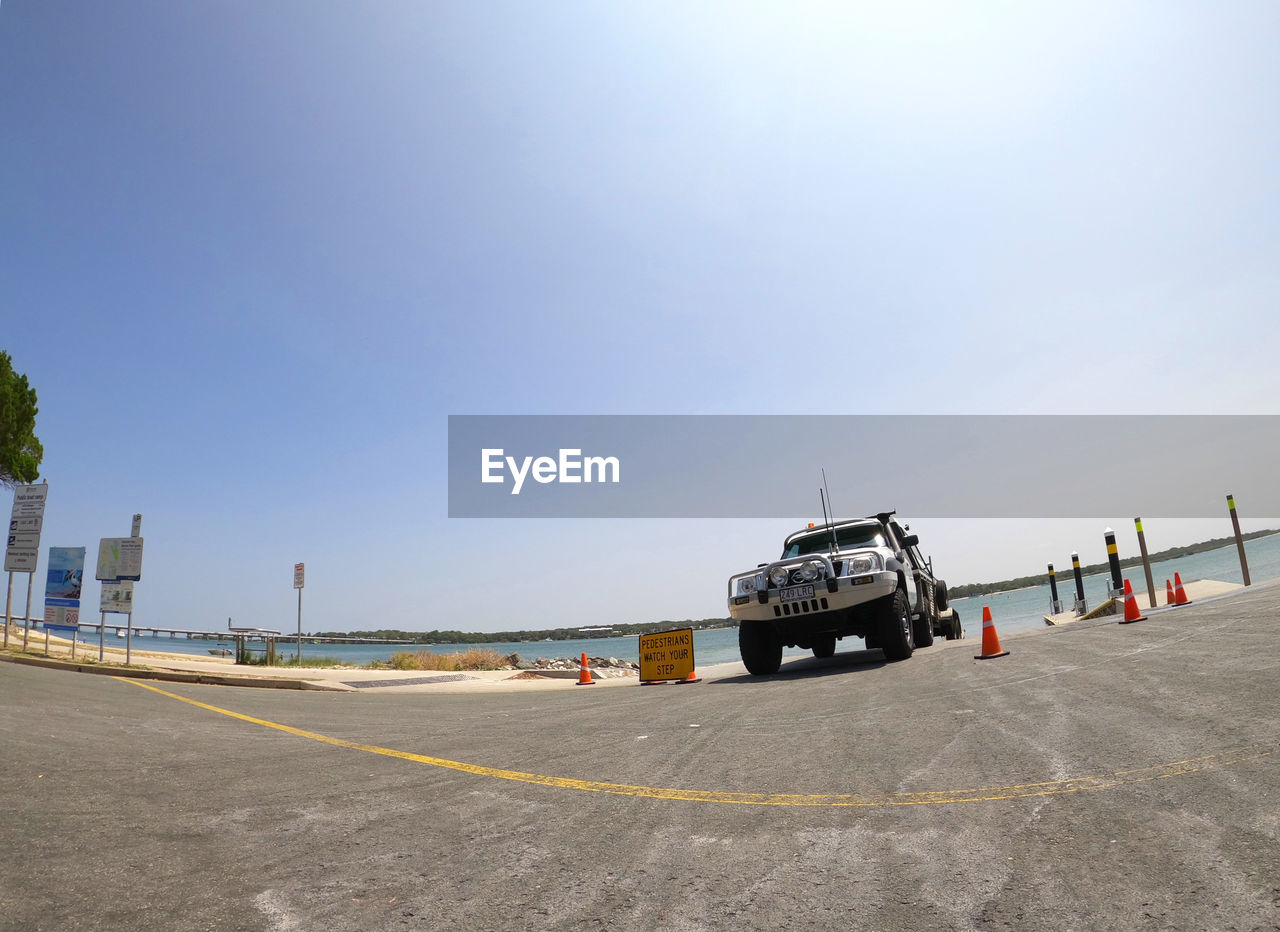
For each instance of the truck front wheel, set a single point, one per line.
(760, 648)
(894, 627)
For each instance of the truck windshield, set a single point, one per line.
(849, 538)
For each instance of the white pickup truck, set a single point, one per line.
(861, 578)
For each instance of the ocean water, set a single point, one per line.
(1021, 609)
(1017, 610)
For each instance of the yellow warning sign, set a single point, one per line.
(667, 655)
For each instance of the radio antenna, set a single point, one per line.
(826, 501)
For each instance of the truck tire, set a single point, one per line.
(956, 630)
(760, 648)
(925, 623)
(923, 635)
(940, 596)
(894, 623)
(825, 646)
(923, 629)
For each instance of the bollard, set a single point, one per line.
(1055, 605)
(1081, 605)
(1235, 523)
(1113, 560)
(1146, 562)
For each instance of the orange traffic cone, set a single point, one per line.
(1168, 593)
(1179, 594)
(990, 640)
(1131, 611)
(584, 673)
(692, 677)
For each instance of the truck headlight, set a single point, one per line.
(861, 563)
(746, 585)
(779, 576)
(811, 571)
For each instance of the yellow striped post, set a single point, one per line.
(1235, 523)
(1081, 605)
(1055, 604)
(1113, 559)
(1146, 562)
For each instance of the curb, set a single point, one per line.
(174, 676)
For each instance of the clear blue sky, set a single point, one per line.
(252, 255)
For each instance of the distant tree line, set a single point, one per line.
(549, 634)
(1068, 573)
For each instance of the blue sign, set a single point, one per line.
(62, 586)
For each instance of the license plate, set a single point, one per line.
(795, 593)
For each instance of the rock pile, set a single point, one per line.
(603, 667)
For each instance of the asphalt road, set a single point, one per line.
(1100, 776)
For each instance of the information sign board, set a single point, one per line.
(299, 574)
(667, 655)
(61, 615)
(119, 558)
(117, 597)
(62, 585)
(22, 550)
(20, 559)
(28, 500)
(30, 525)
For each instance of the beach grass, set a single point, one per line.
(472, 659)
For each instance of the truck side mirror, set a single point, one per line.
(910, 540)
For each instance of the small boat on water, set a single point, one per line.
(220, 651)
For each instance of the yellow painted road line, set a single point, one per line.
(844, 800)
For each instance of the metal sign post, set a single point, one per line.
(299, 580)
(117, 598)
(23, 548)
(135, 533)
(8, 611)
(26, 621)
(119, 566)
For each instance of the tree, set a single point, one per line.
(20, 450)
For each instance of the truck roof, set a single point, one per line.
(824, 528)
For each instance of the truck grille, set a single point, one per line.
(800, 608)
